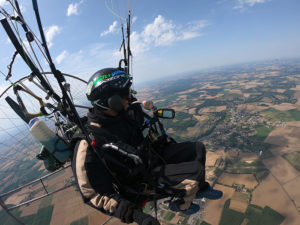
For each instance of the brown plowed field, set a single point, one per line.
(239, 201)
(19, 196)
(270, 193)
(192, 111)
(284, 136)
(251, 108)
(31, 209)
(115, 221)
(213, 109)
(297, 88)
(69, 207)
(293, 189)
(286, 143)
(95, 217)
(214, 208)
(247, 179)
(238, 205)
(293, 124)
(280, 90)
(209, 86)
(210, 96)
(281, 169)
(188, 91)
(284, 106)
(201, 118)
(235, 91)
(211, 158)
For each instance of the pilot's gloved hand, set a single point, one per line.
(144, 219)
(125, 210)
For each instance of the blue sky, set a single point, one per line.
(168, 37)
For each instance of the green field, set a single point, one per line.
(262, 216)
(148, 207)
(270, 217)
(266, 153)
(230, 216)
(43, 216)
(294, 159)
(261, 132)
(82, 221)
(46, 201)
(204, 223)
(254, 215)
(276, 115)
(169, 216)
(6, 219)
(181, 121)
(295, 114)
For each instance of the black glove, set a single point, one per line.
(144, 219)
(125, 211)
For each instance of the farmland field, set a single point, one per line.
(281, 169)
(292, 188)
(230, 216)
(214, 208)
(264, 195)
(294, 159)
(243, 179)
(239, 201)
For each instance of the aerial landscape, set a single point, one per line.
(248, 116)
(230, 69)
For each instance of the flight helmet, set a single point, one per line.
(107, 87)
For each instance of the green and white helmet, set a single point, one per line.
(107, 86)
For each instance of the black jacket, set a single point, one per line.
(126, 126)
(97, 186)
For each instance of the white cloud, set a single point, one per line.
(73, 8)
(133, 20)
(160, 32)
(112, 29)
(243, 3)
(3, 2)
(163, 32)
(3, 87)
(118, 54)
(91, 58)
(138, 45)
(50, 33)
(192, 29)
(61, 57)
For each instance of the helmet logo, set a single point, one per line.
(104, 78)
(108, 77)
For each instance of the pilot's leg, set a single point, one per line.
(187, 152)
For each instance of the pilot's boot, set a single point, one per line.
(175, 206)
(209, 193)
